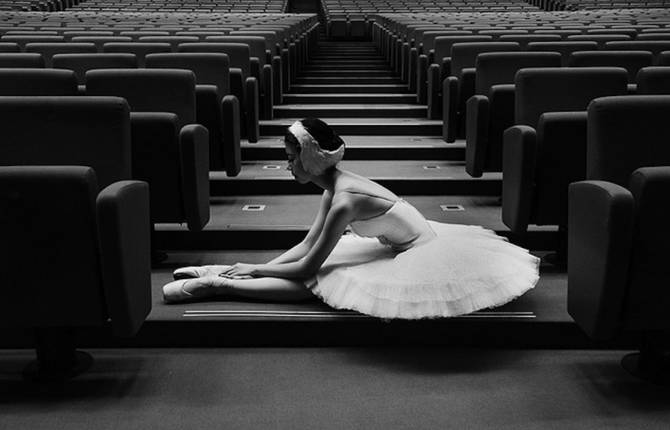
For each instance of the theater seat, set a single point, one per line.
(170, 151)
(21, 60)
(618, 264)
(460, 85)
(217, 109)
(37, 82)
(653, 80)
(546, 150)
(242, 84)
(92, 243)
(140, 49)
(81, 63)
(48, 50)
(491, 110)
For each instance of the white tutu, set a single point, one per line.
(464, 268)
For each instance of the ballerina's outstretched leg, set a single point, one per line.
(265, 289)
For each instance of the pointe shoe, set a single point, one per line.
(188, 289)
(198, 271)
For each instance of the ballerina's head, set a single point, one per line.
(312, 148)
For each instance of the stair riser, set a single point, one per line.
(281, 112)
(348, 80)
(365, 129)
(371, 99)
(349, 73)
(344, 88)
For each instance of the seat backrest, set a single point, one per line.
(70, 34)
(443, 44)
(67, 130)
(174, 41)
(148, 90)
(37, 82)
(238, 53)
(21, 59)
(256, 44)
(565, 48)
(271, 37)
(100, 41)
(645, 307)
(653, 80)
(464, 55)
(632, 61)
(140, 49)
(495, 68)
(600, 39)
(654, 46)
(540, 90)
(429, 37)
(625, 133)
(23, 40)
(210, 68)
(51, 209)
(525, 39)
(48, 50)
(9, 47)
(81, 63)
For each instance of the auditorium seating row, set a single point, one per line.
(598, 4)
(184, 6)
(38, 5)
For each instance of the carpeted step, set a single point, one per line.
(336, 98)
(349, 88)
(368, 148)
(351, 111)
(408, 177)
(344, 79)
(348, 72)
(363, 126)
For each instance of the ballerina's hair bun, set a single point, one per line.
(320, 147)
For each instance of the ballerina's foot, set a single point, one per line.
(199, 271)
(190, 289)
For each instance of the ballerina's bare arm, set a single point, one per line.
(340, 214)
(302, 248)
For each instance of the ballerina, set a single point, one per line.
(394, 264)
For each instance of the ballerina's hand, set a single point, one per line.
(239, 271)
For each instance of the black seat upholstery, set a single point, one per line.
(242, 84)
(170, 151)
(61, 130)
(544, 152)
(653, 80)
(460, 85)
(21, 60)
(48, 50)
(94, 258)
(617, 240)
(217, 109)
(491, 110)
(37, 82)
(565, 48)
(81, 63)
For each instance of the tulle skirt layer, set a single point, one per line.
(463, 269)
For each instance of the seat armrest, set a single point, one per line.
(277, 80)
(445, 68)
(208, 113)
(422, 77)
(476, 134)
(431, 56)
(467, 88)
(268, 56)
(434, 92)
(519, 152)
(194, 163)
(232, 153)
(413, 65)
(255, 71)
(251, 109)
(450, 89)
(124, 235)
(268, 99)
(600, 231)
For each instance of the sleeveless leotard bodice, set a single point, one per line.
(400, 227)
